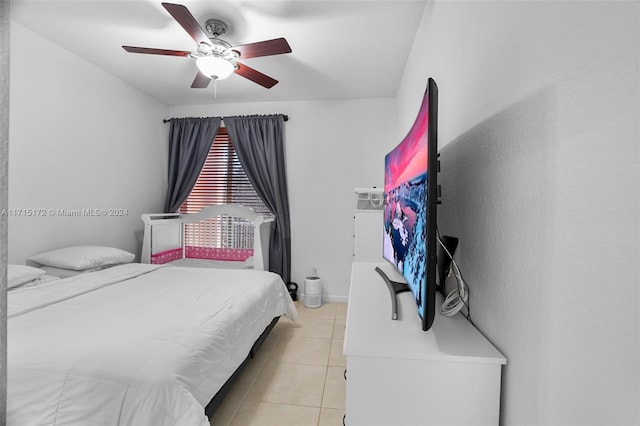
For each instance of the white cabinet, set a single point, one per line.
(398, 374)
(367, 235)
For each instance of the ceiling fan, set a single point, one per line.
(216, 59)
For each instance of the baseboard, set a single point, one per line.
(329, 298)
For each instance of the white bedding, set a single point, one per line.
(140, 345)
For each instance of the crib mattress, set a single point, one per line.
(210, 263)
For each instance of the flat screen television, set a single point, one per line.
(409, 213)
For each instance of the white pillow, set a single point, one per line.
(18, 275)
(66, 273)
(81, 258)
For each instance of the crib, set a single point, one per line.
(219, 236)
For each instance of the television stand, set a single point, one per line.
(395, 287)
(399, 375)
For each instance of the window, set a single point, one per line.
(223, 181)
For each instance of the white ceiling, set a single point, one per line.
(341, 49)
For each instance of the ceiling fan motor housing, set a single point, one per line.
(219, 48)
(216, 27)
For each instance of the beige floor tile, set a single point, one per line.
(245, 380)
(288, 383)
(270, 342)
(297, 376)
(341, 309)
(225, 412)
(325, 311)
(302, 350)
(248, 375)
(281, 327)
(341, 313)
(312, 327)
(254, 413)
(336, 357)
(335, 389)
(339, 328)
(331, 417)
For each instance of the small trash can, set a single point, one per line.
(312, 292)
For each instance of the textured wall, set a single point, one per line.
(539, 107)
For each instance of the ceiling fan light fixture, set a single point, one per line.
(214, 67)
(215, 58)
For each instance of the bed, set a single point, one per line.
(219, 236)
(135, 344)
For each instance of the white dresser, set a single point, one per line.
(367, 235)
(398, 374)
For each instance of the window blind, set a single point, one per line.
(222, 180)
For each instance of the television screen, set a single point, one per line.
(410, 199)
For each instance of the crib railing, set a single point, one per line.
(228, 232)
(223, 231)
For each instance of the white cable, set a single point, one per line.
(456, 299)
(452, 304)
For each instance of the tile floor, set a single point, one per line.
(296, 377)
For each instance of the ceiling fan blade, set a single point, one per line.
(152, 51)
(201, 81)
(181, 14)
(276, 46)
(255, 76)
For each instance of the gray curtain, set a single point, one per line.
(259, 144)
(190, 140)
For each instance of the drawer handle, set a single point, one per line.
(345, 374)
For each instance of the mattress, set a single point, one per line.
(134, 344)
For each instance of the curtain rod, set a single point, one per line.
(284, 116)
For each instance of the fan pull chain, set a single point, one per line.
(215, 88)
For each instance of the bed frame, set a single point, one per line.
(228, 235)
(217, 400)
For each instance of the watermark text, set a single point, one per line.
(58, 212)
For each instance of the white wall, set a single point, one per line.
(332, 147)
(98, 143)
(79, 139)
(538, 131)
